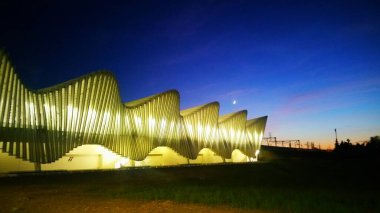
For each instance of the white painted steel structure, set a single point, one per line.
(43, 125)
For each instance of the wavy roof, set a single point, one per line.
(42, 125)
(192, 110)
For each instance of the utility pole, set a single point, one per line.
(336, 140)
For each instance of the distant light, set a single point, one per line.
(234, 102)
(257, 153)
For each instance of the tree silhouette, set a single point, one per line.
(373, 145)
(367, 149)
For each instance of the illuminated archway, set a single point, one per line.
(239, 157)
(86, 157)
(207, 156)
(162, 156)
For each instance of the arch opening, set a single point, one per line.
(207, 156)
(238, 156)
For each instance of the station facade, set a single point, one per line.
(83, 124)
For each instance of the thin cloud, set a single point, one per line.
(237, 93)
(326, 99)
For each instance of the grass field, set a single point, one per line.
(291, 185)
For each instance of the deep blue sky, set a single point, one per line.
(310, 66)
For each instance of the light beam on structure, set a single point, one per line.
(43, 125)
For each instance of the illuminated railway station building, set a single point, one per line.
(82, 124)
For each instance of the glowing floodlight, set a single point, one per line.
(257, 153)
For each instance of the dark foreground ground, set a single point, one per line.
(281, 185)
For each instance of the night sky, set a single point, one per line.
(310, 66)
